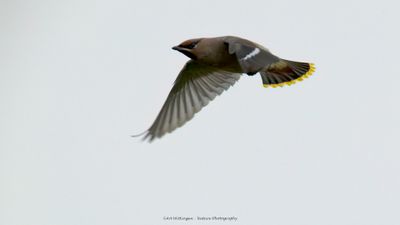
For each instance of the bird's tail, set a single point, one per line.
(285, 72)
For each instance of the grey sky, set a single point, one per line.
(77, 78)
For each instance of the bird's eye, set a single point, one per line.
(192, 45)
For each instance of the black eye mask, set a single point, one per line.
(190, 46)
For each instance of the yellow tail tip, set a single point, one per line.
(310, 71)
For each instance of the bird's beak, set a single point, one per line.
(177, 48)
(185, 51)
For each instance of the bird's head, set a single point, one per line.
(189, 48)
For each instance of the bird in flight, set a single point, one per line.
(215, 65)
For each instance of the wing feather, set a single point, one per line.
(195, 86)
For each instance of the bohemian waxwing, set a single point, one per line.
(216, 64)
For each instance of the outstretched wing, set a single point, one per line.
(251, 57)
(195, 86)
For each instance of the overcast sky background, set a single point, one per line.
(78, 77)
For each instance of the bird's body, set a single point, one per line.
(215, 65)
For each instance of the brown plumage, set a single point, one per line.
(215, 65)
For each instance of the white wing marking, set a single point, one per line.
(251, 54)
